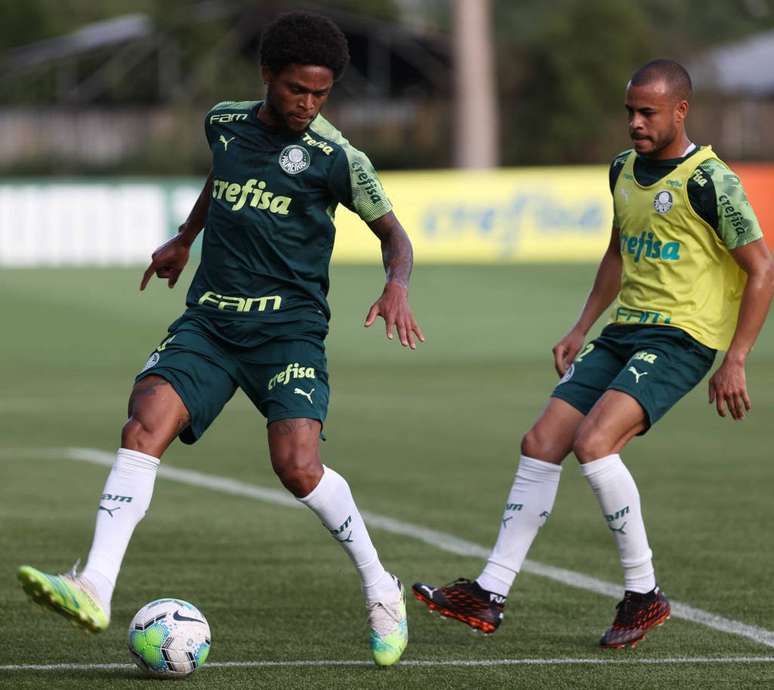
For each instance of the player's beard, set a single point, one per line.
(661, 142)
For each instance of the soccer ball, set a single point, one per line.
(169, 638)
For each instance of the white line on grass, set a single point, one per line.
(440, 540)
(414, 663)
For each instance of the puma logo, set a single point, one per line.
(308, 395)
(620, 529)
(637, 374)
(225, 141)
(109, 511)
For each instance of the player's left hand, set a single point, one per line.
(394, 308)
(728, 389)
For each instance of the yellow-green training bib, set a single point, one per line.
(676, 270)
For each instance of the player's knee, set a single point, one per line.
(297, 469)
(540, 446)
(590, 445)
(532, 444)
(136, 436)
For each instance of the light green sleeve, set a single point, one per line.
(737, 222)
(354, 181)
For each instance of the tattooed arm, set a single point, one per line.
(398, 259)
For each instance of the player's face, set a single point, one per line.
(655, 118)
(295, 95)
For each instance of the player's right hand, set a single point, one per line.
(168, 261)
(566, 350)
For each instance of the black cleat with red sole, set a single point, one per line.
(464, 601)
(635, 615)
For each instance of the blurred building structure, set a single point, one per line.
(432, 83)
(124, 98)
(735, 83)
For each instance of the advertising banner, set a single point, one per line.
(517, 215)
(539, 214)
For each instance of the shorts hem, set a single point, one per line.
(572, 403)
(291, 415)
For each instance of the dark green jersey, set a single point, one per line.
(269, 232)
(715, 193)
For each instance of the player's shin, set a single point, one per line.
(529, 505)
(619, 499)
(124, 501)
(331, 500)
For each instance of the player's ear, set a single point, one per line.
(266, 74)
(681, 112)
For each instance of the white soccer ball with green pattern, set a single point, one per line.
(169, 638)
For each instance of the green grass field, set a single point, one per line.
(429, 438)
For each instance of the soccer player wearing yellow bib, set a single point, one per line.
(692, 275)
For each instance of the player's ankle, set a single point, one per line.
(384, 587)
(99, 586)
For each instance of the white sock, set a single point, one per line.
(529, 505)
(620, 502)
(125, 498)
(331, 500)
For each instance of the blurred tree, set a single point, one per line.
(562, 77)
(691, 25)
(22, 22)
(563, 66)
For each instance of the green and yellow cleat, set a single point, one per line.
(389, 629)
(68, 595)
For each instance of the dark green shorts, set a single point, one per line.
(284, 374)
(656, 365)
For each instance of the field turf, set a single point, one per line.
(428, 438)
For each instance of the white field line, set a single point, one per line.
(414, 663)
(440, 540)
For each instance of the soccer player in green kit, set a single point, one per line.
(256, 319)
(691, 274)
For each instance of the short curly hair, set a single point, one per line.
(304, 38)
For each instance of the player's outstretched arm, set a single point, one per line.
(607, 283)
(169, 260)
(728, 385)
(392, 305)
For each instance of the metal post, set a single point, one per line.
(476, 117)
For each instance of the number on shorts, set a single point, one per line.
(584, 352)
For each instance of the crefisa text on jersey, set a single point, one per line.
(263, 199)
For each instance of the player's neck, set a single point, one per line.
(268, 116)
